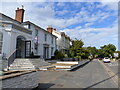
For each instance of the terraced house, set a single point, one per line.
(44, 43)
(18, 39)
(63, 41)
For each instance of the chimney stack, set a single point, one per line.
(50, 29)
(19, 14)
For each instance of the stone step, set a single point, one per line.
(25, 61)
(21, 69)
(22, 66)
(27, 64)
(29, 60)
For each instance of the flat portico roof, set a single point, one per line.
(17, 27)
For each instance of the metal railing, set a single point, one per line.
(11, 57)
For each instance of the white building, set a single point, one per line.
(46, 41)
(18, 38)
(14, 36)
(63, 41)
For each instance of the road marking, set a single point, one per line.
(115, 78)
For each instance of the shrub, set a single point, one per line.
(32, 54)
(58, 54)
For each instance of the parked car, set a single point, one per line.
(106, 60)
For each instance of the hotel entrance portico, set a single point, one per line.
(23, 47)
(20, 46)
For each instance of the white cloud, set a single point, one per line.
(95, 36)
(112, 4)
(60, 4)
(88, 24)
(45, 15)
(62, 12)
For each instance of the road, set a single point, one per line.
(91, 75)
(113, 66)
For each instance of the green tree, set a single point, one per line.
(84, 53)
(56, 52)
(100, 53)
(76, 47)
(76, 44)
(77, 50)
(107, 51)
(92, 51)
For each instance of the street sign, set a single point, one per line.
(115, 54)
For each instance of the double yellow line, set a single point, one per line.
(116, 79)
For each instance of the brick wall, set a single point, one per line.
(19, 15)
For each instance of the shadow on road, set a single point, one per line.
(43, 86)
(100, 82)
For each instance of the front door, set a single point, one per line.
(46, 52)
(27, 48)
(19, 48)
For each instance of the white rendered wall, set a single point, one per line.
(62, 42)
(58, 42)
(10, 35)
(41, 40)
(9, 40)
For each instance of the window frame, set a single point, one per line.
(1, 42)
(52, 49)
(45, 37)
(36, 32)
(52, 39)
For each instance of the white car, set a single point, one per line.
(106, 59)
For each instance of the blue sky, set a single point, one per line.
(93, 22)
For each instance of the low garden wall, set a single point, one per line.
(67, 62)
(70, 59)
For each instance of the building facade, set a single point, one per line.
(63, 41)
(14, 38)
(22, 38)
(44, 43)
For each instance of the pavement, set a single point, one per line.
(91, 75)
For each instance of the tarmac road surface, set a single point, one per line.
(91, 75)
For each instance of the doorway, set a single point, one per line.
(46, 52)
(23, 47)
(27, 49)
